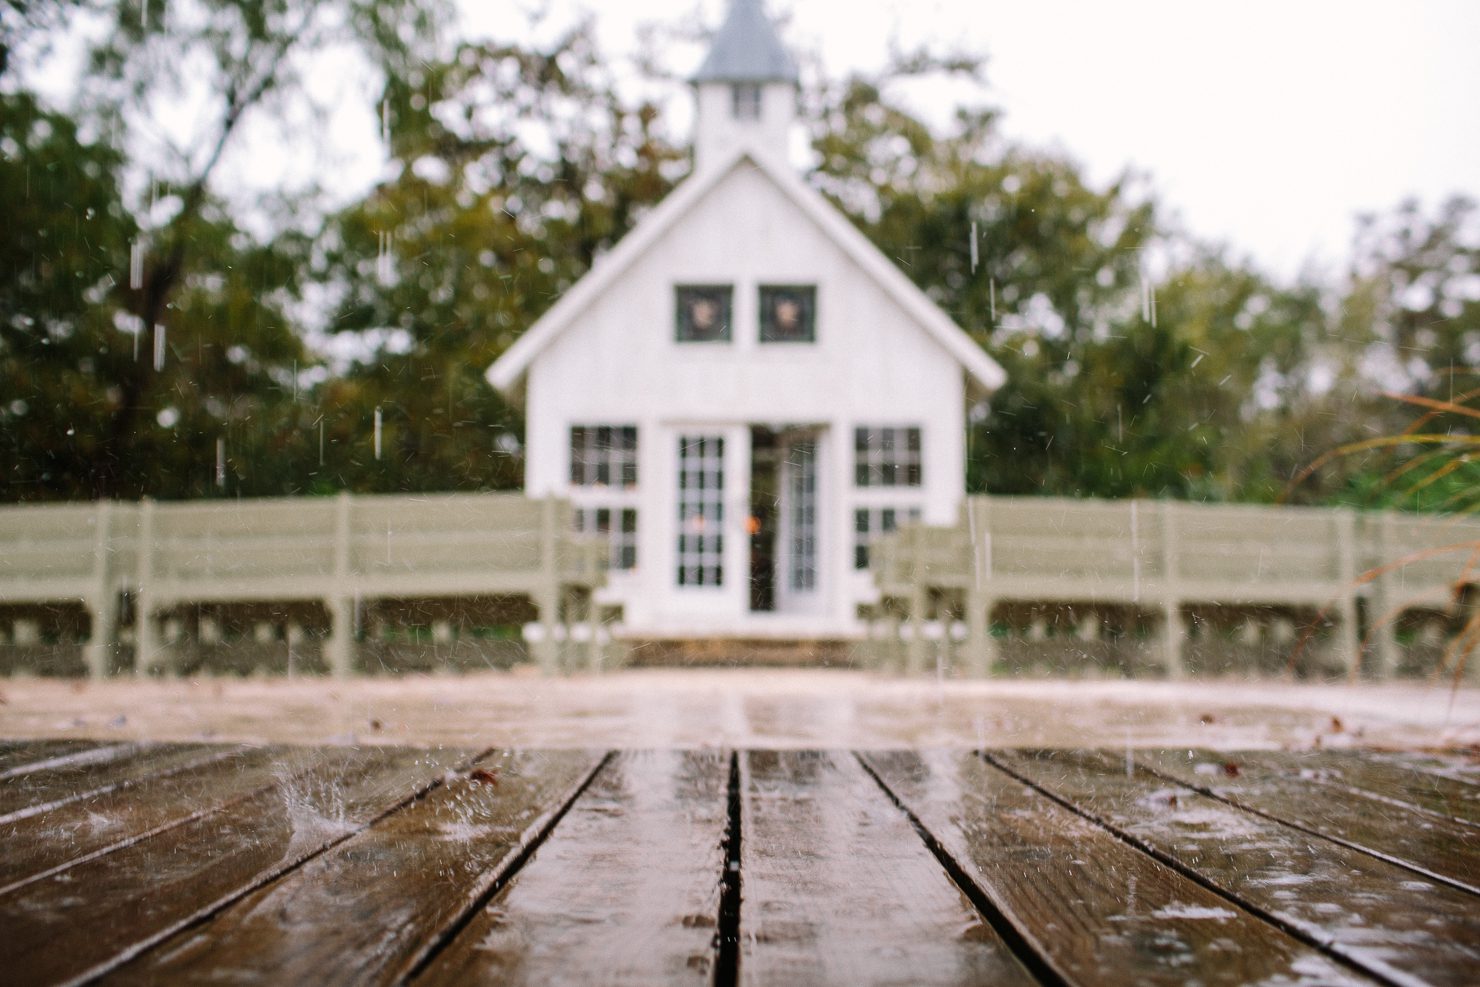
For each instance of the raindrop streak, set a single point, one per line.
(159, 343)
(377, 433)
(221, 463)
(992, 298)
(383, 259)
(1145, 298)
(975, 253)
(144, 15)
(135, 266)
(321, 441)
(385, 121)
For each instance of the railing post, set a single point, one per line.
(591, 570)
(1173, 633)
(1382, 621)
(546, 650)
(979, 596)
(103, 636)
(914, 657)
(341, 604)
(1351, 642)
(146, 641)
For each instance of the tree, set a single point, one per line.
(66, 227)
(223, 302)
(514, 167)
(70, 346)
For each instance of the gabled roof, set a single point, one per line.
(746, 49)
(509, 369)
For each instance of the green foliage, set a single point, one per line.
(65, 230)
(513, 166)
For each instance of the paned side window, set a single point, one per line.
(701, 510)
(871, 522)
(788, 313)
(603, 456)
(802, 505)
(886, 457)
(702, 313)
(745, 101)
(619, 526)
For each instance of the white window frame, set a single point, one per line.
(886, 453)
(621, 540)
(802, 523)
(619, 498)
(699, 561)
(594, 455)
(881, 519)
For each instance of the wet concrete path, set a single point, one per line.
(745, 708)
(142, 862)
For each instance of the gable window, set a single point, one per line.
(871, 522)
(788, 313)
(703, 313)
(886, 457)
(603, 456)
(745, 101)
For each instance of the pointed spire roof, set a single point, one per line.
(746, 49)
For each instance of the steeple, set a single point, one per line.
(746, 88)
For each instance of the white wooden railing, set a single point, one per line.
(1164, 556)
(336, 550)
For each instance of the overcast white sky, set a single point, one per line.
(1268, 124)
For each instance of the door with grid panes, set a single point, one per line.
(700, 550)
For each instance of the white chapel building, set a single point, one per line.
(745, 390)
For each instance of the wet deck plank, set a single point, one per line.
(18, 756)
(87, 919)
(1377, 915)
(46, 842)
(1462, 766)
(367, 911)
(626, 890)
(1287, 787)
(338, 865)
(77, 780)
(1095, 909)
(839, 888)
(1399, 778)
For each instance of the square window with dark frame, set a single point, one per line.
(886, 457)
(603, 456)
(702, 313)
(788, 313)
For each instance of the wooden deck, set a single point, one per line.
(183, 863)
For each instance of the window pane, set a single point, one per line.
(702, 313)
(603, 456)
(746, 101)
(788, 313)
(701, 511)
(887, 457)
